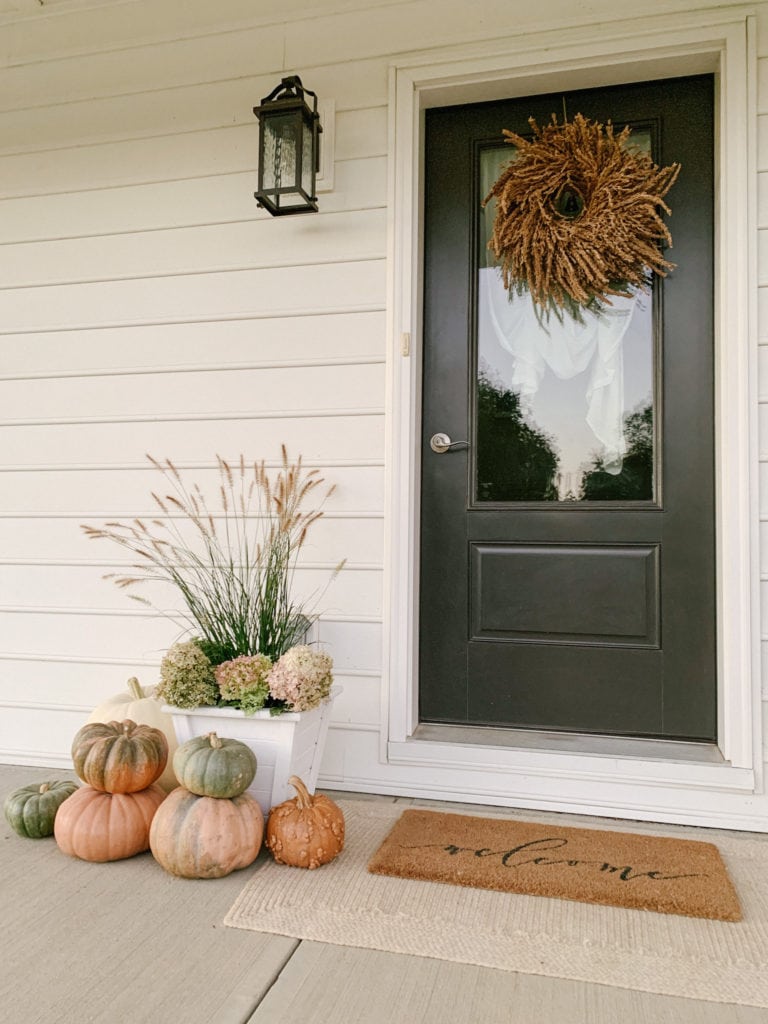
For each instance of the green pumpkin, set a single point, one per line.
(210, 766)
(31, 810)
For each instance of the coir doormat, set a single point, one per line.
(619, 869)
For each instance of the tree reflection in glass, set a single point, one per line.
(635, 481)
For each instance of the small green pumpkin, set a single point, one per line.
(210, 766)
(31, 810)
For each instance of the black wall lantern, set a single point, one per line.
(289, 149)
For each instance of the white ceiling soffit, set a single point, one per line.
(261, 10)
(22, 8)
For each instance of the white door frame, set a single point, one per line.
(716, 41)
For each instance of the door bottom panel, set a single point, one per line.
(587, 690)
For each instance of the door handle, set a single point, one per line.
(441, 443)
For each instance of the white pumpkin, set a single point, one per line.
(140, 705)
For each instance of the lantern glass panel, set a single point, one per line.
(280, 147)
(307, 161)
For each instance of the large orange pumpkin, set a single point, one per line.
(205, 836)
(119, 757)
(98, 826)
(306, 831)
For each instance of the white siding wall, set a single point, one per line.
(147, 305)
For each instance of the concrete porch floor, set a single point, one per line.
(126, 943)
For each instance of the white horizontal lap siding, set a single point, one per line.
(87, 27)
(201, 249)
(337, 336)
(148, 305)
(359, 184)
(217, 295)
(354, 640)
(319, 436)
(30, 121)
(72, 587)
(50, 538)
(126, 395)
(199, 153)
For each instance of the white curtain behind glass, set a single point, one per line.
(567, 348)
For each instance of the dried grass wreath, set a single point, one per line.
(577, 217)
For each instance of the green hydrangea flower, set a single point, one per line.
(186, 677)
(243, 681)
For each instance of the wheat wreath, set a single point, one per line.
(577, 216)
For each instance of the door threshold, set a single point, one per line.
(570, 743)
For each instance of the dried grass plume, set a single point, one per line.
(232, 561)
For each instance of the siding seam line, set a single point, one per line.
(213, 318)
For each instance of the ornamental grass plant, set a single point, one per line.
(233, 562)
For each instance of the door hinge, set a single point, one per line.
(405, 343)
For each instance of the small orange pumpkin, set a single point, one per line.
(205, 836)
(98, 826)
(306, 831)
(119, 757)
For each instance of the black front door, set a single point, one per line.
(567, 574)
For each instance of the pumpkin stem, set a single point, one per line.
(134, 688)
(45, 787)
(214, 740)
(303, 797)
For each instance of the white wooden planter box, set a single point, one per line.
(284, 745)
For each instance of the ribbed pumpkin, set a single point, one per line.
(139, 704)
(31, 810)
(206, 837)
(306, 831)
(213, 766)
(119, 757)
(98, 826)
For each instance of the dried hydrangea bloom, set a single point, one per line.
(302, 678)
(244, 680)
(186, 677)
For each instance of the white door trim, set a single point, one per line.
(715, 41)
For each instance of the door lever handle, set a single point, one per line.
(441, 443)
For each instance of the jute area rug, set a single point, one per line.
(344, 903)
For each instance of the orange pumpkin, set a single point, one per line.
(306, 831)
(119, 757)
(139, 703)
(205, 836)
(98, 826)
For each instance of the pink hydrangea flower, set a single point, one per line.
(302, 678)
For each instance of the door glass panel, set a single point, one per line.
(564, 411)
